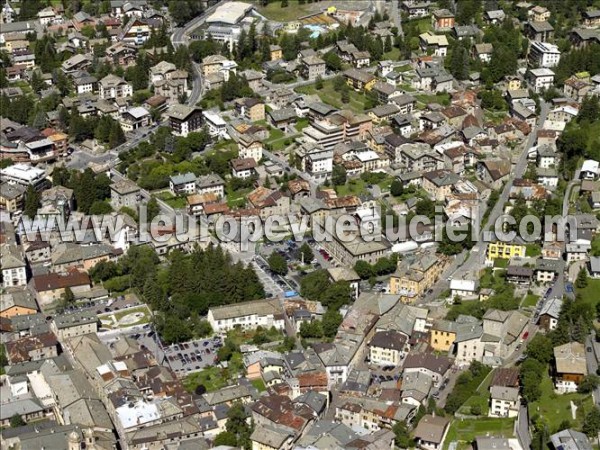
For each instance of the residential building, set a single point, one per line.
(519, 275)
(549, 314)
(493, 172)
(431, 432)
(505, 250)
(539, 31)
(570, 439)
(442, 335)
(184, 119)
(67, 326)
(591, 18)
(182, 184)
(483, 51)
(243, 167)
(442, 20)
(360, 80)
(387, 348)
(124, 193)
(312, 67)
(11, 197)
(217, 127)
(114, 87)
(543, 54)
(439, 183)
(17, 302)
(546, 270)
(134, 118)
(437, 44)
(210, 184)
(250, 146)
(505, 401)
(570, 367)
(541, 79)
(252, 109)
(24, 175)
(248, 316)
(14, 267)
(32, 348)
(414, 276)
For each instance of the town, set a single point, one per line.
(410, 120)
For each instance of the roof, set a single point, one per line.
(12, 256)
(230, 13)
(540, 27)
(181, 112)
(431, 428)
(19, 297)
(269, 436)
(240, 164)
(389, 340)
(76, 319)
(570, 440)
(510, 394)
(435, 363)
(570, 358)
(124, 186)
(256, 307)
(508, 377)
(53, 281)
(183, 178)
(359, 75)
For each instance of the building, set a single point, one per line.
(591, 18)
(387, 348)
(431, 432)
(549, 314)
(17, 302)
(124, 193)
(360, 80)
(312, 67)
(243, 167)
(541, 79)
(539, 31)
(348, 252)
(252, 109)
(504, 401)
(570, 439)
(505, 250)
(32, 348)
(543, 54)
(247, 316)
(539, 14)
(210, 184)
(483, 51)
(442, 335)
(184, 119)
(519, 275)
(570, 367)
(182, 184)
(217, 127)
(67, 326)
(14, 268)
(414, 276)
(51, 287)
(546, 270)
(24, 175)
(250, 146)
(442, 20)
(436, 43)
(134, 118)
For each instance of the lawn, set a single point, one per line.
(211, 378)
(111, 320)
(589, 294)
(442, 98)
(274, 11)
(237, 199)
(533, 250)
(554, 408)
(530, 300)
(354, 186)
(393, 55)
(259, 385)
(171, 200)
(465, 431)
(479, 398)
(332, 97)
(301, 124)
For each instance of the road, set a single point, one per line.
(179, 37)
(592, 358)
(286, 166)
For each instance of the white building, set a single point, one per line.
(590, 170)
(247, 316)
(505, 401)
(13, 266)
(387, 348)
(541, 79)
(183, 184)
(463, 288)
(543, 54)
(216, 125)
(113, 87)
(24, 175)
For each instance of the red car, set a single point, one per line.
(525, 335)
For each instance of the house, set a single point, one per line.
(385, 91)
(547, 177)
(442, 335)
(439, 183)
(546, 270)
(577, 251)
(590, 170)
(338, 273)
(67, 326)
(431, 432)
(136, 32)
(577, 88)
(546, 156)
(504, 401)
(463, 288)
(570, 367)
(541, 79)
(570, 439)
(252, 109)
(519, 275)
(442, 20)
(182, 184)
(134, 118)
(539, 31)
(415, 276)
(32, 348)
(76, 63)
(494, 17)
(543, 54)
(269, 202)
(17, 302)
(469, 343)
(591, 18)
(11, 197)
(520, 112)
(124, 193)
(51, 287)
(483, 51)
(387, 348)
(248, 316)
(493, 172)
(504, 250)
(312, 67)
(184, 119)
(282, 118)
(243, 168)
(359, 80)
(114, 87)
(594, 266)
(196, 203)
(210, 184)
(14, 267)
(549, 314)
(383, 113)
(275, 52)
(217, 127)
(436, 44)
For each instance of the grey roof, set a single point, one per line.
(21, 406)
(75, 319)
(469, 331)
(552, 308)
(256, 307)
(17, 297)
(315, 400)
(70, 252)
(570, 440)
(548, 265)
(595, 264)
(183, 178)
(392, 340)
(269, 436)
(539, 27)
(11, 256)
(278, 115)
(209, 180)
(510, 394)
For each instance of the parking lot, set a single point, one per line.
(192, 356)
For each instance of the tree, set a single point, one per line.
(591, 423)
(319, 83)
(32, 202)
(68, 297)
(116, 136)
(238, 426)
(582, 279)
(338, 175)
(314, 284)
(152, 209)
(100, 207)
(17, 421)
(306, 253)
(225, 438)
(345, 96)
(284, 3)
(402, 435)
(278, 264)
(476, 410)
(331, 321)
(540, 348)
(588, 384)
(396, 188)
(364, 269)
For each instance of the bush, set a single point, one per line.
(476, 410)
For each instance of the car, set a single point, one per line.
(205, 343)
(197, 367)
(193, 358)
(195, 344)
(152, 333)
(525, 335)
(176, 348)
(589, 349)
(186, 346)
(171, 358)
(99, 312)
(436, 394)
(106, 309)
(569, 288)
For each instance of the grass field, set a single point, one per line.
(237, 199)
(355, 186)
(480, 397)
(111, 320)
(554, 408)
(171, 200)
(465, 431)
(259, 385)
(530, 300)
(274, 11)
(211, 378)
(441, 98)
(329, 95)
(589, 294)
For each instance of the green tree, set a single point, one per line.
(331, 321)
(225, 438)
(364, 269)
(314, 284)
(582, 279)
(306, 253)
(100, 207)
(591, 423)
(588, 384)
(338, 175)
(402, 435)
(17, 421)
(540, 348)
(345, 96)
(396, 188)
(319, 83)
(32, 202)
(237, 424)
(116, 136)
(68, 297)
(152, 209)
(278, 264)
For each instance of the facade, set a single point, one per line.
(247, 316)
(387, 348)
(114, 87)
(442, 335)
(570, 367)
(184, 119)
(182, 184)
(543, 54)
(124, 193)
(505, 250)
(14, 268)
(541, 79)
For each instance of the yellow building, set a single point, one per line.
(513, 82)
(414, 278)
(442, 335)
(276, 52)
(360, 80)
(505, 250)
